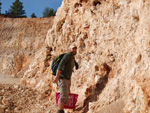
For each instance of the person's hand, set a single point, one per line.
(57, 76)
(76, 65)
(55, 80)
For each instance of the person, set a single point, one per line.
(63, 76)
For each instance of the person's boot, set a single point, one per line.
(60, 111)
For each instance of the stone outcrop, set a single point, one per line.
(20, 40)
(113, 55)
(113, 51)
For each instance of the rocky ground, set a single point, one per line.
(113, 55)
(19, 40)
(15, 98)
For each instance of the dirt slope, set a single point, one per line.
(20, 40)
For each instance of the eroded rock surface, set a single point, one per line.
(113, 53)
(20, 40)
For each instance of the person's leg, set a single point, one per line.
(69, 85)
(60, 105)
(61, 88)
(64, 92)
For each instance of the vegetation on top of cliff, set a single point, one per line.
(33, 15)
(48, 12)
(17, 9)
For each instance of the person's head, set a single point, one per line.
(73, 49)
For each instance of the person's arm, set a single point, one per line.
(57, 76)
(76, 65)
(61, 64)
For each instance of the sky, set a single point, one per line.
(32, 6)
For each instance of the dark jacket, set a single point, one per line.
(66, 65)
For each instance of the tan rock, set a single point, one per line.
(19, 108)
(113, 54)
(1, 109)
(21, 38)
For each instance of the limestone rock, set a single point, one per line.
(20, 40)
(112, 37)
(115, 33)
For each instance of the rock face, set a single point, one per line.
(20, 39)
(113, 53)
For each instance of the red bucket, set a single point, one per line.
(72, 99)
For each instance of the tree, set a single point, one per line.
(33, 15)
(48, 12)
(0, 7)
(17, 9)
(7, 13)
